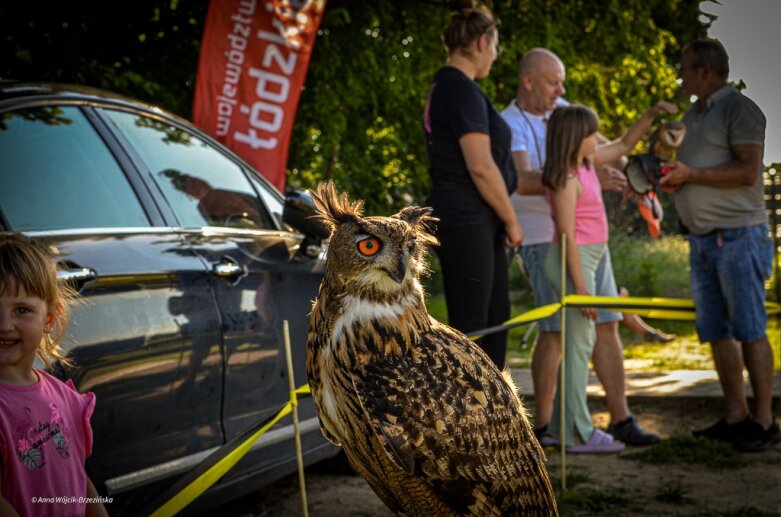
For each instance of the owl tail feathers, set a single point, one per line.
(334, 208)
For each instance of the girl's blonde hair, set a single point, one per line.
(567, 128)
(26, 265)
(469, 20)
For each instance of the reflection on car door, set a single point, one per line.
(258, 277)
(274, 285)
(146, 338)
(147, 343)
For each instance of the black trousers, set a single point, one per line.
(474, 270)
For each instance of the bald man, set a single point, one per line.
(540, 90)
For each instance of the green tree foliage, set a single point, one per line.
(359, 120)
(360, 117)
(144, 49)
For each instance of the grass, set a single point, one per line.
(745, 511)
(687, 450)
(610, 501)
(683, 353)
(575, 476)
(673, 492)
(650, 268)
(437, 308)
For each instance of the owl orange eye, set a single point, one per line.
(369, 246)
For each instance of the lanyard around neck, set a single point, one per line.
(533, 131)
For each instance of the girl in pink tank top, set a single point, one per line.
(573, 186)
(580, 219)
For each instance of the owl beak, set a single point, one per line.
(399, 272)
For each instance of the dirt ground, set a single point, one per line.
(606, 485)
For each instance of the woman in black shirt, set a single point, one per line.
(472, 176)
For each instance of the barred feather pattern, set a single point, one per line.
(421, 412)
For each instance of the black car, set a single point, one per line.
(187, 267)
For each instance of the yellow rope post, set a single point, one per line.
(562, 408)
(294, 403)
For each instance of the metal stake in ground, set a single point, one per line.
(563, 410)
(294, 402)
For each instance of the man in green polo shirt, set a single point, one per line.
(720, 201)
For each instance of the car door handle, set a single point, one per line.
(229, 269)
(78, 275)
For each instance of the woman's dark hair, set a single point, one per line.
(567, 128)
(468, 21)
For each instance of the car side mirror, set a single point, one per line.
(298, 212)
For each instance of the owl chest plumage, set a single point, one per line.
(340, 345)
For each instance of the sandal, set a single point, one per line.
(599, 443)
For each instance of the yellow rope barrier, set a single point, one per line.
(210, 470)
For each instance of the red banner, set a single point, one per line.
(253, 61)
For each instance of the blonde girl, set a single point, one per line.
(45, 434)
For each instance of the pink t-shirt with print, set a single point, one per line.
(45, 437)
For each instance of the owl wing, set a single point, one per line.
(323, 428)
(444, 413)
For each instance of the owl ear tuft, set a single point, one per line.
(334, 208)
(421, 219)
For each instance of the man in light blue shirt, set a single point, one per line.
(541, 87)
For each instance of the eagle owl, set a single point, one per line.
(666, 139)
(421, 412)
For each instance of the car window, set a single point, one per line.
(203, 186)
(272, 202)
(56, 173)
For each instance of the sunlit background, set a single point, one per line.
(749, 31)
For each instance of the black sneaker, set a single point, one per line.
(630, 432)
(721, 431)
(754, 438)
(539, 432)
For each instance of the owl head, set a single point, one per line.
(378, 253)
(666, 139)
